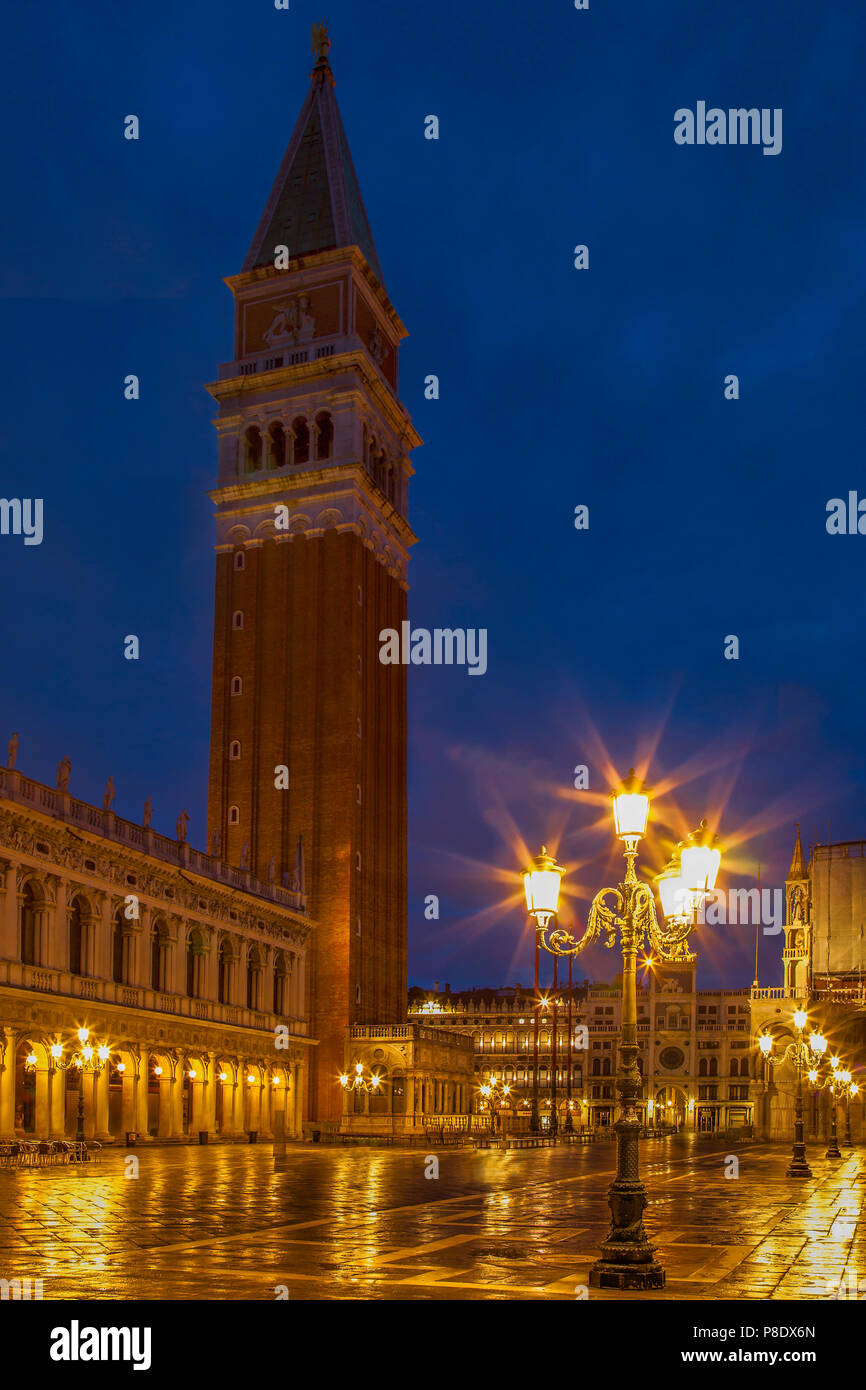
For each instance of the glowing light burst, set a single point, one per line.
(677, 806)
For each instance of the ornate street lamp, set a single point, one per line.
(85, 1058)
(627, 1256)
(493, 1094)
(840, 1084)
(359, 1079)
(851, 1089)
(802, 1054)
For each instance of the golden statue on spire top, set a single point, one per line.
(321, 42)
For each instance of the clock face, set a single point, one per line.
(671, 1058)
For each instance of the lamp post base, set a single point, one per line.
(833, 1151)
(627, 1256)
(798, 1168)
(607, 1274)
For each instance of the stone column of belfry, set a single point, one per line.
(314, 698)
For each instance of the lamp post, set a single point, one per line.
(360, 1081)
(86, 1057)
(628, 1259)
(801, 1053)
(851, 1089)
(569, 1104)
(493, 1093)
(840, 1083)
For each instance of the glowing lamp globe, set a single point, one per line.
(855, 1089)
(846, 1076)
(103, 1054)
(818, 1043)
(56, 1051)
(700, 859)
(765, 1043)
(83, 1035)
(541, 882)
(813, 1076)
(631, 802)
(676, 899)
(800, 1019)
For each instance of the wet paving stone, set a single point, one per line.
(228, 1223)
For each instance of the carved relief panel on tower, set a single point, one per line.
(291, 320)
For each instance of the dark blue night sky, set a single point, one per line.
(558, 387)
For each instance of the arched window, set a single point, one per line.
(237, 685)
(605, 1066)
(234, 749)
(78, 920)
(735, 1066)
(31, 904)
(117, 961)
(702, 1067)
(159, 956)
(596, 1067)
(224, 973)
(390, 488)
(237, 620)
(252, 449)
(240, 560)
(714, 1066)
(234, 816)
(300, 440)
(277, 452)
(324, 435)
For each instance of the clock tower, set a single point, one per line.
(308, 729)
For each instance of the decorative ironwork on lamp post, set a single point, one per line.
(802, 1053)
(628, 1259)
(360, 1079)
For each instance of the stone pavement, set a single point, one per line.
(363, 1223)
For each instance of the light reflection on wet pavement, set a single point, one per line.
(232, 1222)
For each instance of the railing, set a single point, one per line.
(774, 992)
(64, 807)
(63, 983)
(265, 361)
(380, 1030)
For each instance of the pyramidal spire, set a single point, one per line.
(315, 203)
(798, 863)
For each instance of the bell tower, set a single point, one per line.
(797, 952)
(308, 728)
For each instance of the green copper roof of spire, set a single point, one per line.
(315, 203)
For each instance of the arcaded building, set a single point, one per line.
(191, 973)
(694, 1049)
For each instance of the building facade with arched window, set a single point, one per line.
(191, 972)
